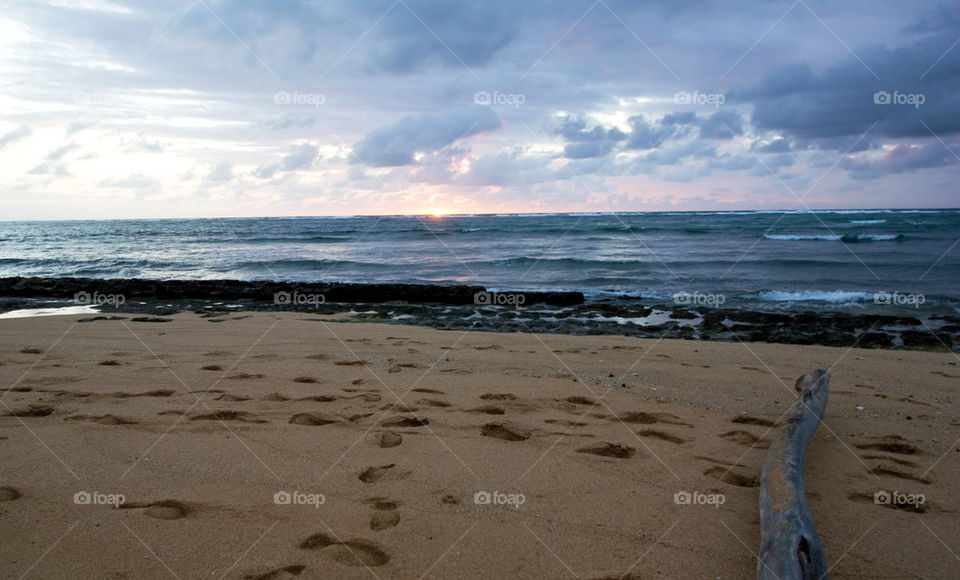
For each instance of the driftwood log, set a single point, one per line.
(789, 546)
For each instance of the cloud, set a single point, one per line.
(395, 144)
(722, 125)
(586, 144)
(58, 153)
(302, 156)
(679, 118)
(777, 145)
(508, 168)
(643, 135)
(49, 168)
(77, 126)
(422, 33)
(833, 108)
(220, 173)
(137, 181)
(14, 136)
(901, 159)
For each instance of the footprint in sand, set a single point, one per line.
(746, 439)
(354, 552)
(428, 391)
(31, 411)
(232, 398)
(318, 356)
(291, 571)
(565, 422)
(386, 514)
(727, 475)
(605, 449)
(388, 439)
(109, 363)
(9, 493)
(890, 471)
(244, 376)
(890, 444)
(498, 397)
(748, 420)
(662, 435)
(153, 393)
(581, 400)
(307, 380)
(896, 460)
(319, 398)
(399, 408)
(30, 350)
(348, 363)
(505, 431)
(433, 403)
(645, 418)
(211, 368)
(314, 419)
(113, 420)
(241, 416)
(401, 421)
(167, 509)
(487, 409)
(276, 397)
(372, 474)
(356, 417)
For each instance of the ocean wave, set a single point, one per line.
(832, 296)
(845, 238)
(867, 222)
(289, 240)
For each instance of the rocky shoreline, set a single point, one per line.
(461, 307)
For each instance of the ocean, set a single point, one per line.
(835, 260)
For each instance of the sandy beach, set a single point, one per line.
(274, 445)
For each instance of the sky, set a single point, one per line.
(217, 108)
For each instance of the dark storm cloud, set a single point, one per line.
(395, 144)
(916, 87)
(722, 125)
(901, 159)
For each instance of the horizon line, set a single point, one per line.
(492, 214)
